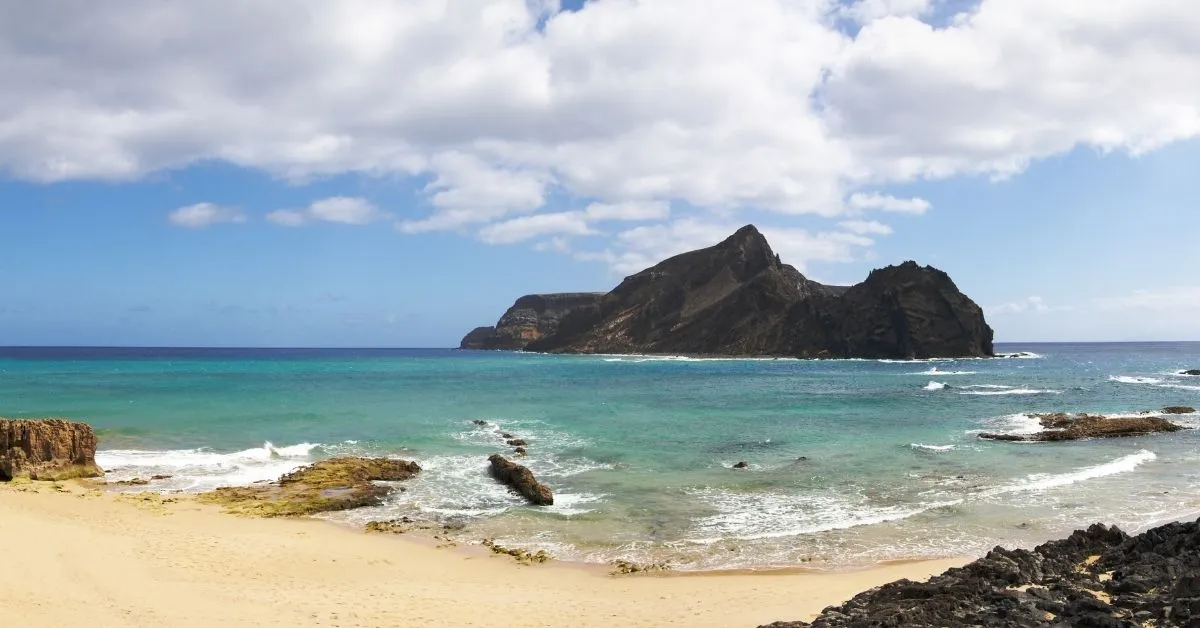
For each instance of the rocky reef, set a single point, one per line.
(531, 318)
(1097, 577)
(521, 480)
(1061, 426)
(737, 298)
(334, 484)
(47, 449)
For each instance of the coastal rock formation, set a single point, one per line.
(1178, 410)
(47, 449)
(1193, 372)
(521, 480)
(737, 298)
(1099, 577)
(334, 484)
(1062, 426)
(531, 318)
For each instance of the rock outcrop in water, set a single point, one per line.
(1062, 426)
(532, 318)
(1192, 372)
(521, 480)
(737, 298)
(334, 484)
(1099, 578)
(47, 449)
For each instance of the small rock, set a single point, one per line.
(1178, 410)
(520, 451)
(479, 422)
(1192, 372)
(521, 480)
(741, 465)
(516, 442)
(506, 435)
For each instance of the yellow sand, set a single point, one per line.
(77, 556)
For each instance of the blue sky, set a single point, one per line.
(252, 204)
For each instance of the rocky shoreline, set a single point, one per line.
(1061, 426)
(1098, 577)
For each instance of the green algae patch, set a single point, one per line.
(329, 485)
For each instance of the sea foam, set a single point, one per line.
(1011, 391)
(204, 469)
(934, 386)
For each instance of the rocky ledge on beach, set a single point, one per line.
(521, 480)
(1061, 426)
(334, 484)
(737, 298)
(1097, 577)
(47, 449)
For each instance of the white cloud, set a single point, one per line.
(497, 107)
(641, 247)
(864, 11)
(865, 227)
(630, 210)
(528, 227)
(347, 210)
(202, 215)
(866, 201)
(1034, 304)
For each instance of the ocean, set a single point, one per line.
(851, 462)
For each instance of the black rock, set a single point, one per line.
(737, 298)
(1193, 372)
(1095, 577)
(741, 465)
(531, 318)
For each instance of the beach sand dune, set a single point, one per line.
(78, 556)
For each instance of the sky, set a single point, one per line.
(375, 173)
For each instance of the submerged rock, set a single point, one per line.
(47, 449)
(738, 298)
(1062, 426)
(741, 465)
(1099, 577)
(516, 442)
(329, 485)
(521, 480)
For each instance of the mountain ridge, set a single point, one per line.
(737, 298)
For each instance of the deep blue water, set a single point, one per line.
(638, 449)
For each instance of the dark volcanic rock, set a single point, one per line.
(1063, 426)
(516, 442)
(1099, 577)
(1194, 372)
(741, 465)
(531, 318)
(520, 480)
(47, 449)
(738, 298)
(1178, 410)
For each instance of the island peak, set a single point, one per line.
(738, 298)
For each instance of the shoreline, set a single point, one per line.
(91, 556)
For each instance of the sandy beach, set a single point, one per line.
(78, 555)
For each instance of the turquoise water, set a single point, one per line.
(851, 462)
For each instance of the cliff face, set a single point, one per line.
(531, 318)
(737, 298)
(47, 449)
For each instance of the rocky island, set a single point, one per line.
(738, 298)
